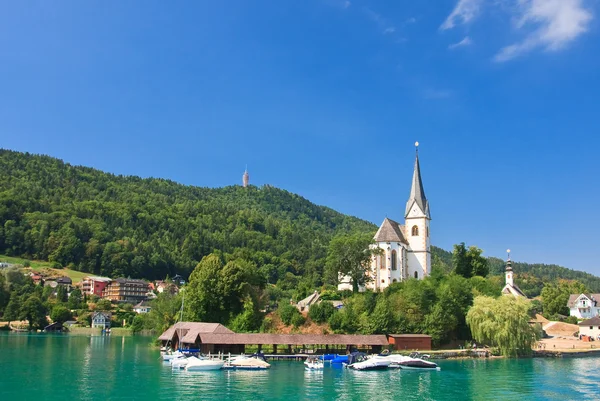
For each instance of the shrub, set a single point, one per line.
(298, 320)
(571, 320)
(26, 263)
(287, 312)
(56, 265)
(321, 312)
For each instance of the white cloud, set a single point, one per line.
(465, 42)
(464, 11)
(559, 22)
(389, 30)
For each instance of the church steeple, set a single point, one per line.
(245, 178)
(417, 193)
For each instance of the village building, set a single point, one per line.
(126, 290)
(510, 288)
(584, 306)
(142, 307)
(305, 304)
(404, 249)
(37, 278)
(590, 327)
(101, 320)
(94, 285)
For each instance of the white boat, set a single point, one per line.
(360, 361)
(196, 364)
(172, 355)
(413, 362)
(314, 364)
(247, 362)
(179, 363)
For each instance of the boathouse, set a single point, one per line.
(215, 338)
(401, 342)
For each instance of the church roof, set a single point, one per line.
(390, 231)
(513, 290)
(417, 193)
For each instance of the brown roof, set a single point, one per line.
(573, 298)
(190, 330)
(293, 339)
(409, 335)
(595, 321)
(390, 231)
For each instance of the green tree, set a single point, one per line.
(469, 262)
(204, 297)
(104, 305)
(503, 323)
(350, 255)
(75, 299)
(287, 312)
(555, 296)
(61, 294)
(321, 312)
(34, 312)
(477, 263)
(382, 321)
(60, 314)
(12, 310)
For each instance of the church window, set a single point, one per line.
(382, 281)
(427, 230)
(394, 280)
(394, 267)
(382, 262)
(416, 274)
(415, 231)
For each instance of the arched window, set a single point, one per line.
(382, 281)
(427, 229)
(394, 267)
(415, 231)
(382, 262)
(416, 274)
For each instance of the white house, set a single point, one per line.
(101, 320)
(590, 327)
(142, 307)
(583, 306)
(405, 249)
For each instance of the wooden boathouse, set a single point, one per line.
(214, 338)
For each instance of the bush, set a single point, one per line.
(321, 312)
(287, 312)
(571, 320)
(330, 295)
(56, 265)
(60, 314)
(298, 320)
(103, 305)
(26, 263)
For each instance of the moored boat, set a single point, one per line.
(360, 361)
(197, 364)
(314, 364)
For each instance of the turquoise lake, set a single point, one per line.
(63, 367)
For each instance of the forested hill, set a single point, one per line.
(128, 226)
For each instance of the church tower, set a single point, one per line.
(245, 178)
(509, 271)
(417, 218)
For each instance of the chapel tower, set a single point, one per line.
(417, 218)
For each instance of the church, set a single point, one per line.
(404, 248)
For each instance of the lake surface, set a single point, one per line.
(64, 367)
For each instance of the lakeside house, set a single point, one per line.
(94, 285)
(142, 307)
(101, 320)
(583, 306)
(590, 327)
(126, 290)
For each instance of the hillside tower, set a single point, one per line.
(416, 223)
(245, 178)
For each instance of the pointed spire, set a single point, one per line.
(246, 178)
(417, 193)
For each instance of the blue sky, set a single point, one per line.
(325, 98)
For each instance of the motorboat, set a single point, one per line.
(167, 356)
(361, 361)
(252, 362)
(179, 363)
(201, 364)
(417, 362)
(413, 362)
(314, 364)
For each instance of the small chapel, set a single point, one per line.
(405, 249)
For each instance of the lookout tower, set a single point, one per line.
(245, 178)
